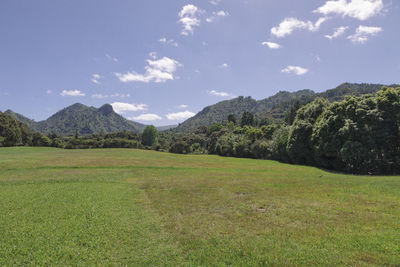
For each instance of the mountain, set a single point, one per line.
(354, 89)
(273, 107)
(84, 119)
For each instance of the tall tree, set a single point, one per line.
(299, 146)
(247, 119)
(149, 136)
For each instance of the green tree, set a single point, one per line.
(215, 128)
(299, 146)
(232, 118)
(347, 136)
(149, 136)
(13, 132)
(247, 119)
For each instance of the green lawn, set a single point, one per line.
(145, 208)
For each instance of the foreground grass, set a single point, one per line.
(133, 207)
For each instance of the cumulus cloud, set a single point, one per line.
(271, 45)
(338, 32)
(157, 70)
(215, 15)
(183, 106)
(122, 108)
(72, 93)
(49, 92)
(224, 65)
(96, 78)
(189, 18)
(146, 117)
(218, 93)
(295, 69)
(363, 33)
(288, 25)
(180, 115)
(359, 9)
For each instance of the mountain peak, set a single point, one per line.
(106, 109)
(77, 105)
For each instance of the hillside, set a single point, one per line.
(273, 107)
(81, 118)
(33, 125)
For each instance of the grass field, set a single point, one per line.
(141, 208)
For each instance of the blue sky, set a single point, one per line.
(160, 62)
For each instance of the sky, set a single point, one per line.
(160, 62)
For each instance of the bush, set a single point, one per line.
(180, 147)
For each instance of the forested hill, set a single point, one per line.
(33, 125)
(81, 118)
(273, 107)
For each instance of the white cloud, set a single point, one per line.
(288, 25)
(146, 117)
(220, 94)
(122, 108)
(96, 78)
(180, 115)
(221, 13)
(172, 42)
(224, 65)
(72, 93)
(49, 92)
(189, 18)
(295, 69)
(271, 45)
(338, 32)
(183, 106)
(215, 15)
(112, 58)
(359, 9)
(363, 33)
(189, 10)
(158, 71)
(99, 96)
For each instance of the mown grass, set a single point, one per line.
(141, 208)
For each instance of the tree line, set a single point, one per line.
(360, 134)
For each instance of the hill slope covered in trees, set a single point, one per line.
(274, 107)
(83, 119)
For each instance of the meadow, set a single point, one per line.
(146, 208)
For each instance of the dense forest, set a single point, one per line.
(273, 108)
(81, 118)
(359, 133)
